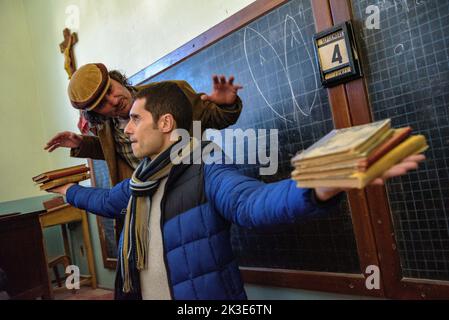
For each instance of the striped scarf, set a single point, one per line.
(144, 183)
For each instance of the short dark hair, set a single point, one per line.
(167, 97)
(95, 118)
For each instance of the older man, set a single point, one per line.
(105, 99)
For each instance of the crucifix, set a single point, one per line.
(66, 48)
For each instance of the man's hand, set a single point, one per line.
(400, 169)
(224, 92)
(65, 139)
(62, 190)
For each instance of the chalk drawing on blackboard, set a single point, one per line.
(406, 45)
(268, 58)
(267, 53)
(262, 60)
(399, 49)
(301, 11)
(291, 25)
(420, 2)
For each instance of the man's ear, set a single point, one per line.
(167, 123)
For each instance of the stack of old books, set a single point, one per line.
(353, 157)
(55, 178)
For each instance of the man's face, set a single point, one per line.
(146, 138)
(116, 103)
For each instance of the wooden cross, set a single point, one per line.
(66, 48)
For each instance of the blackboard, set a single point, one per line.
(273, 59)
(407, 73)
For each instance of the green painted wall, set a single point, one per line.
(21, 119)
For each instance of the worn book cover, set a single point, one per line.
(346, 142)
(54, 174)
(412, 145)
(399, 135)
(64, 180)
(326, 166)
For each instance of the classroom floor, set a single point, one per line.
(85, 293)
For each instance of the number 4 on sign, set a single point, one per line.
(336, 56)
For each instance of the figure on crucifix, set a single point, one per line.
(66, 47)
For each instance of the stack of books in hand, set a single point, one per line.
(353, 157)
(55, 178)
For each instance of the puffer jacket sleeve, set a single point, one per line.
(251, 203)
(103, 202)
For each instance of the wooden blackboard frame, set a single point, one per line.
(108, 262)
(373, 225)
(354, 97)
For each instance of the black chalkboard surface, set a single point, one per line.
(273, 59)
(407, 72)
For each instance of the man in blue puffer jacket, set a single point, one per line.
(176, 239)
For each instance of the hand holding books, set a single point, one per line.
(358, 156)
(409, 163)
(62, 190)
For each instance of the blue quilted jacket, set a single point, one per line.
(199, 204)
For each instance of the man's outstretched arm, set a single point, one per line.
(103, 202)
(251, 203)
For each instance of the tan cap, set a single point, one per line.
(88, 86)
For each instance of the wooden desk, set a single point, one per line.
(66, 214)
(22, 257)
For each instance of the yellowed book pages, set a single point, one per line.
(334, 165)
(344, 141)
(353, 157)
(413, 145)
(328, 164)
(351, 160)
(323, 174)
(344, 165)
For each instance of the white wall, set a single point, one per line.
(21, 115)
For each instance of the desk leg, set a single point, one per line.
(88, 246)
(65, 238)
(48, 290)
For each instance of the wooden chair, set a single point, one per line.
(53, 264)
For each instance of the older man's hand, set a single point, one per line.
(224, 91)
(64, 139)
